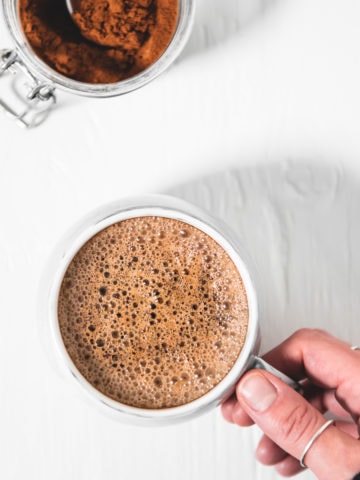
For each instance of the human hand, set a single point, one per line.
(330, 371)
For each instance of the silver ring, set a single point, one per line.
(313, 439)
(355, 347)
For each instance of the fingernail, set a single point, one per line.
(257, 392)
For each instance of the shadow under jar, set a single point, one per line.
(96, 48)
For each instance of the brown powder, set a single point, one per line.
(106, 41)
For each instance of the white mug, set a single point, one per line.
(169, 207)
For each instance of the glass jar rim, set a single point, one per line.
(45, 73)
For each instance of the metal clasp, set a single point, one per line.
(33, 105)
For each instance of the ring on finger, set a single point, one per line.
(312, 441)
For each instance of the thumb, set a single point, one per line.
(291, 422)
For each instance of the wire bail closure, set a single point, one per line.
(36, 103)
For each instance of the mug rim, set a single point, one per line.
(43, 72)
(168, 207)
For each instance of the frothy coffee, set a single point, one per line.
(153, 312)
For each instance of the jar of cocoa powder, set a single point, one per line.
(96, 48)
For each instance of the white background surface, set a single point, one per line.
(258, 121)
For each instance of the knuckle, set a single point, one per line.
(299, 424)
(309, 333)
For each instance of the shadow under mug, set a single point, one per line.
(174, 208)
(43, 80)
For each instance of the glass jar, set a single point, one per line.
(44, 80)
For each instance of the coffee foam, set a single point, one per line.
(153, 312)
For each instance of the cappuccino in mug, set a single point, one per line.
(152, 309)
(153, 312)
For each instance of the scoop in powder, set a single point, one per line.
(104, 41)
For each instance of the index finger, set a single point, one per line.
(327, 361)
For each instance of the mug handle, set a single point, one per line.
(258, 362)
